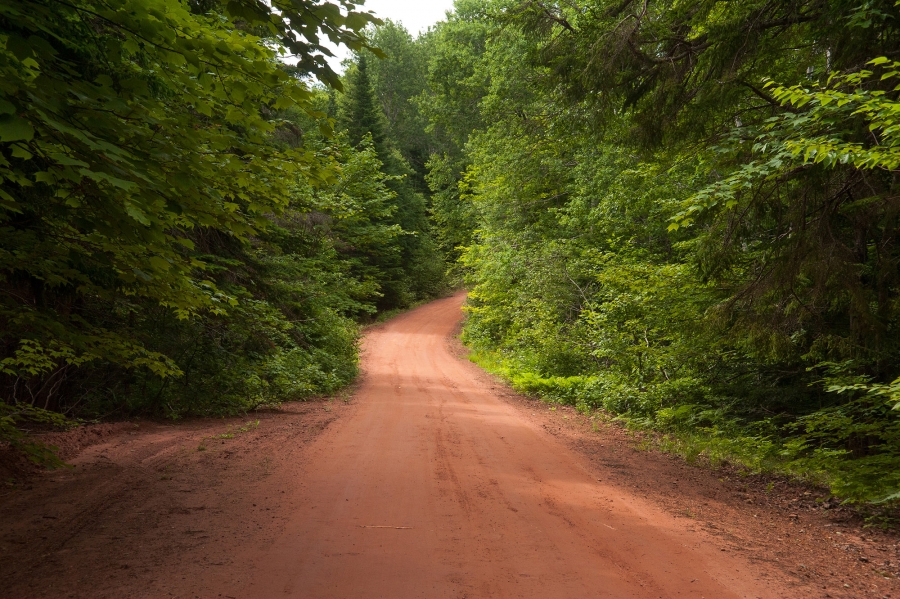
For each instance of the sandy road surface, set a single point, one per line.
(435, 481)
(436, 488)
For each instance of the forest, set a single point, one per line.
(682, 215)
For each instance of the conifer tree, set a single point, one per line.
(360, 113)
(418, 271)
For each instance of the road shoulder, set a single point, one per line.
(775, 525)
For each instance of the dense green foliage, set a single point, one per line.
(181, 230)
(686, 214)
(683, 213)
(416, 270)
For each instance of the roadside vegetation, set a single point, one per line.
(683, 214)
(191, 224)
(686, 214)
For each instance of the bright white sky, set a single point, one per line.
(416, 15)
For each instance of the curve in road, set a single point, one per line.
(435, 487)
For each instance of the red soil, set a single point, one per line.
(434, 481)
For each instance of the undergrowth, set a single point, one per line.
(712, 437)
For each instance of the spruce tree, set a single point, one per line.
(360, 112)
(418, 271)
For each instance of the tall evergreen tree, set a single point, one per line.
(397, 81)
(417, 271)
(360, 113)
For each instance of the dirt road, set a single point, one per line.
(436, 488)
(436, 482)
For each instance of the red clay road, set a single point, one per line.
(434, 487)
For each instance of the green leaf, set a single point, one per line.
(358, 20)
(14, 128)
(136, 213)
(19, 151)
